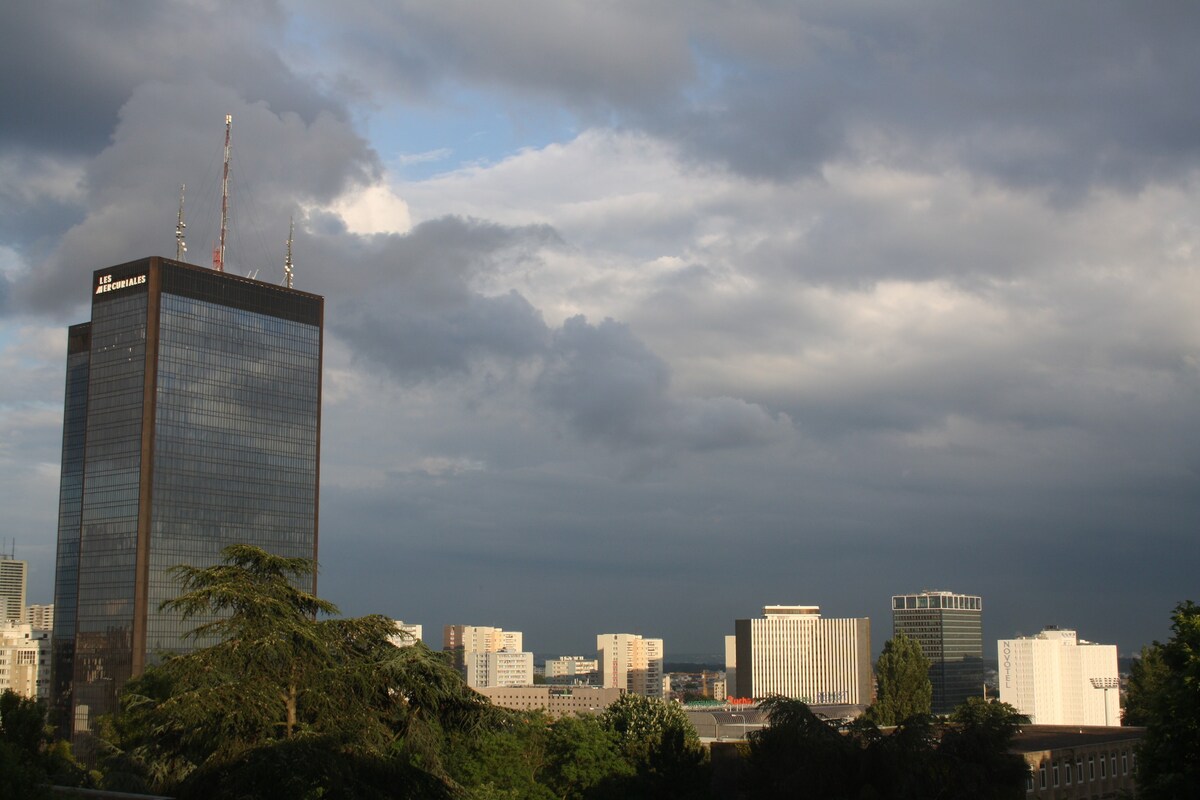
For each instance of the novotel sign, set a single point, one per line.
(106, 283)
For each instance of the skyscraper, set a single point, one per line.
(191, 422)
(949, 628)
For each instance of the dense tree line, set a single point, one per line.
(800, 755)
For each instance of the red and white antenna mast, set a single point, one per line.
(219, 252)
(180, 227)
(287, 262)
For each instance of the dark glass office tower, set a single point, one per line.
(192, 421)
(949, 628)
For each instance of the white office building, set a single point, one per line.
(1055, 678)
(794, 652)
(630, 662)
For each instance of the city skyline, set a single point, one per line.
(642, 319)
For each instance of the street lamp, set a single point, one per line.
(743, 716)
(1105, 684)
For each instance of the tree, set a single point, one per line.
(28, 761)
(582, 755)
(284, 702)
(904, 687)
(975, 751)
(1147, 675)
(1169, 755)
(661, 745)
(801, 755)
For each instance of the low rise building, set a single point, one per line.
(571, 667)
(556, 701)
(1076, 761)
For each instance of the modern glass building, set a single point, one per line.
(192, 421)
(949, 628)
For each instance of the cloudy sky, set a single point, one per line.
(641, 316)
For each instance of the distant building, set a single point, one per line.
(630, 662)
(1055, 678)
(730, 666)
(949, 628)
(406, 634)
(487, 656)
(792, 651)
(571, 669)
(13, 576)
(459, 639)
(40, 617)
(556, 701)
(1068, 762)
(502, 668)
(23, 660)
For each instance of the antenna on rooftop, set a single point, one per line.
(219, 253)
(287, 262)
(180, 226)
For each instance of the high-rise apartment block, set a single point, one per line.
(192, 422)
(407, 633)
(1056, 678)
(13, 577)
(949, 628)
(629, 662)
(40, 616)
(487, 656)
(498, 668)
(794, 652)
(479, 639)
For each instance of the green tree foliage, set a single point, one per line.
(282, 704)
(974, 749)
(1169, 755)
(28, 760)
(1147, 675)
(904, 687)
(584, 758)
(800, 755)
(505, 760)
(661, 745)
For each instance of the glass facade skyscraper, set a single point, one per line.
(949, 628)
(191, 422)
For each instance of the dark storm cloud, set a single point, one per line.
(613, 389)
(1045, 95)
(69, 67)
(590, 56)
(414, 311)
